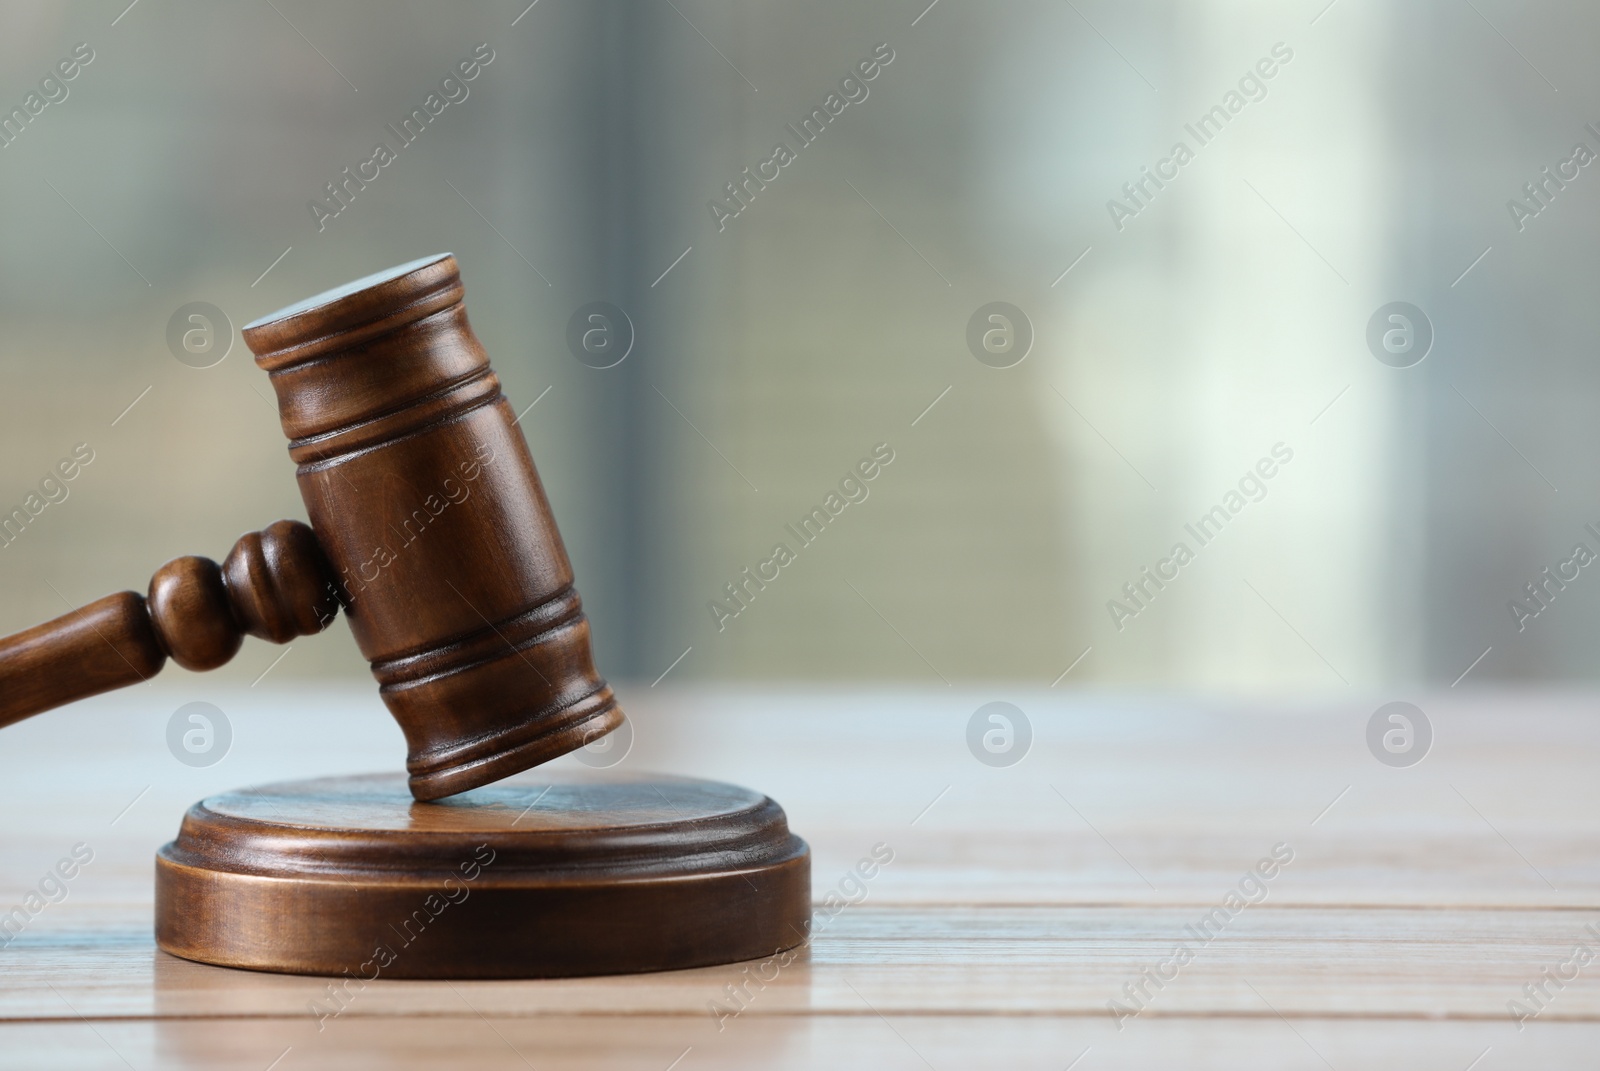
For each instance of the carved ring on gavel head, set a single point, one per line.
(429, 525)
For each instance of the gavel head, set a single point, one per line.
(426, 504)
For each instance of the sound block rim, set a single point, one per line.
(594, 876)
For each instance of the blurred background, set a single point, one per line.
(1161, 339)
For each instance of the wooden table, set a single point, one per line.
(1418, 903)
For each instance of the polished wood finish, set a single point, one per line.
(427, 503)
(541, 876)
(431, 529)
(274, 585)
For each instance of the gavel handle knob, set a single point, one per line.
(274, 584)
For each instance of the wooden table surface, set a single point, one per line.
(1419, 902)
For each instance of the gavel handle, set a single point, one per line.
(108, 644)
(274, 584)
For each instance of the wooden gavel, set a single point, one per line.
(429, 526)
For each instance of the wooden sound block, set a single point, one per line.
(548, 874)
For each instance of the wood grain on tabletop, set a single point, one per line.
(1019, 901)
